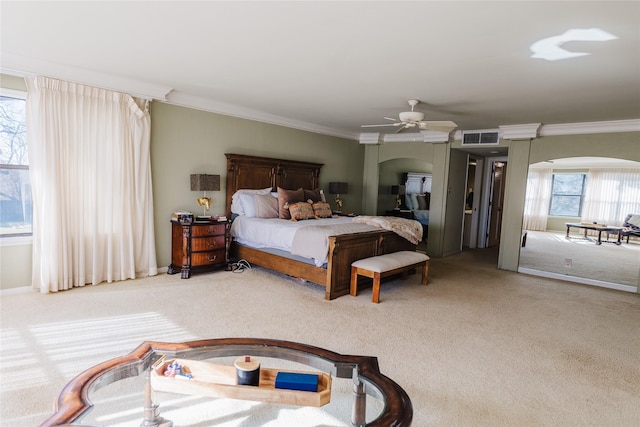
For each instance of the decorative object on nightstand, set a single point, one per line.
(338, 188)
(200, 245)
(398, 190)
(203, 182)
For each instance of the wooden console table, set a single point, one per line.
(74, 401)
(596, 227)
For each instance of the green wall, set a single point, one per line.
(186, 141)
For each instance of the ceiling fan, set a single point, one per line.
(414, 119)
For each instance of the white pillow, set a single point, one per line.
(407, 201)
(414, 201)
(248, 205)
(236, 206)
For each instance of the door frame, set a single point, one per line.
(485, 203)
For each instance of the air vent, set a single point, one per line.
(480, 138)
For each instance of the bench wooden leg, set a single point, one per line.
(375, 296)
(425, 272)
(354, 281)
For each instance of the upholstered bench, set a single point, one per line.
(379, 267)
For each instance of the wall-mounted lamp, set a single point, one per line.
(338, 188)
(398, 190)
(203, 182)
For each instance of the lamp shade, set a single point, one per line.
(338, 188)
(204, 182)
(398, 189)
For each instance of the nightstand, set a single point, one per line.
(199, 246)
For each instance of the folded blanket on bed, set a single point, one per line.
(407, 228)
(313, 241)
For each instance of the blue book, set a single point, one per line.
(297, 381)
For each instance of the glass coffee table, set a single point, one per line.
(127, 390)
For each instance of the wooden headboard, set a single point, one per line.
(261, 172)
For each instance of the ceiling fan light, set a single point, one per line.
(411, 116)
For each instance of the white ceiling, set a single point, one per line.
(333, 66)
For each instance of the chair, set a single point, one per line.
(631, 226)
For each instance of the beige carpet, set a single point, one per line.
(608, 262)
(478, 346)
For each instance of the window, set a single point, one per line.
(15, 188)
(567, 194)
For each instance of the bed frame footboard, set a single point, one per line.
(343, 250)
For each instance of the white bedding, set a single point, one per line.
(421, 216)
(277, 233)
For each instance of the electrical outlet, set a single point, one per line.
(568, 263)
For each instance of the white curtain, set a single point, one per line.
(537, 199)
(91, 180)
(611, 195)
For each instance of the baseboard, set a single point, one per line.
(581, 280)
(27, 289)
(16, 291)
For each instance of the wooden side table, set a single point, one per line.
(199, 246)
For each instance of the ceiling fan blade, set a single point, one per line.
(439, 126)
(391, 118)
(388, 124)
(402, 128)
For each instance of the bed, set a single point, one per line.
(267, 174)
(417, 197)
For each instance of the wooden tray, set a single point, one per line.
(214, 380)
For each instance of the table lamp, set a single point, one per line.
(203, 182)
(338, 188)
(398, 190)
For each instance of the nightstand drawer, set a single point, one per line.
(207, 258)
(208, 230)
(199, 244)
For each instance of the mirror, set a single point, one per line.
(594, 196)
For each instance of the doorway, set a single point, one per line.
(492, 203)
(496, 202)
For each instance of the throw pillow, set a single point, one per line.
(422, 202)
(288, 197)
(300, 211)
(266, 206)
(322, 210)
(314, 195)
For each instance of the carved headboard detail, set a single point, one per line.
(262, 172)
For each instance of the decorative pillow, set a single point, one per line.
(236, 206)
(321, 210)
(422, 202)
(314, 195)
(300, 211)
(266, 206)
(288, 197)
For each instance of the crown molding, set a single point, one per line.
(612, 126)
(200, 103)
(21, 66)
(371, 138)
(422, 136)
(526, 131)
